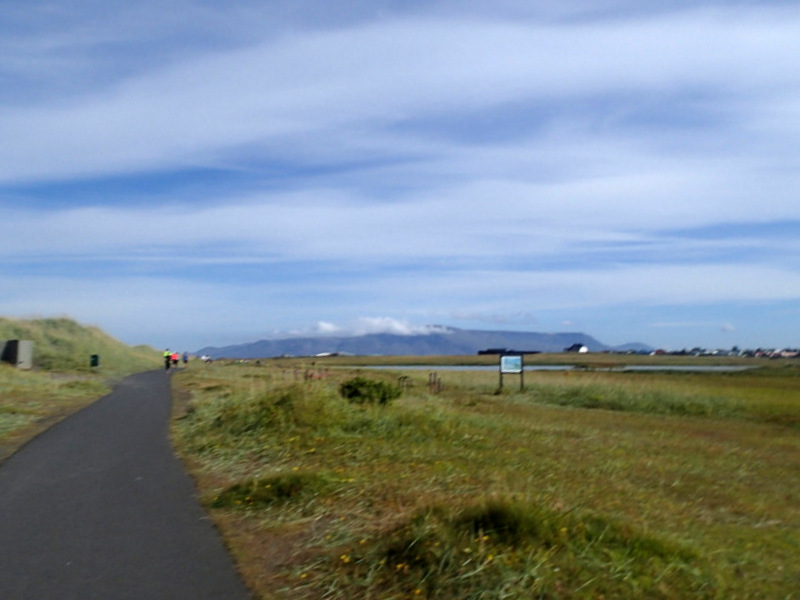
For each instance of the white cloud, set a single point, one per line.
(339, 88)
(367, 325)
(364, 326)
(325, 328)
(483, 222)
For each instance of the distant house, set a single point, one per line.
(579, 348)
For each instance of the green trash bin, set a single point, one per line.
(94, 360)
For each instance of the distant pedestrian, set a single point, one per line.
(185, 358)
(167, 359)
(175, 359)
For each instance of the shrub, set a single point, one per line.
(361, 390)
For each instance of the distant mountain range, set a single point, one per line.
(441, 341)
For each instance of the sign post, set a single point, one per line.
(512, 364)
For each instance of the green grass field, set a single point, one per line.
(588, 484)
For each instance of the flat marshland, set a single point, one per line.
(587, 484)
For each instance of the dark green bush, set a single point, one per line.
(361, 390)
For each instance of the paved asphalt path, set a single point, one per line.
(99, 507)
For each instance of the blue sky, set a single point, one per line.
(193, 173)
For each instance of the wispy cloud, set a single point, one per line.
(477, 163)
(352, 85)
(367, 326)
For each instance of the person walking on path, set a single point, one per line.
(99, 507)
(167, 359)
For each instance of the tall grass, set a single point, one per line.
(473, 494)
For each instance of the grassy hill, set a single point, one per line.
(65, 345)
(62, 380)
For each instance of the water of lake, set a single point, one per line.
(629, 368)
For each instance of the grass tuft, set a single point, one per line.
(361, 390)
(505, 549)
(281, 488)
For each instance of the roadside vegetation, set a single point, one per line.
(62, 380)
(587, 484)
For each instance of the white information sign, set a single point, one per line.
(511, 364)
